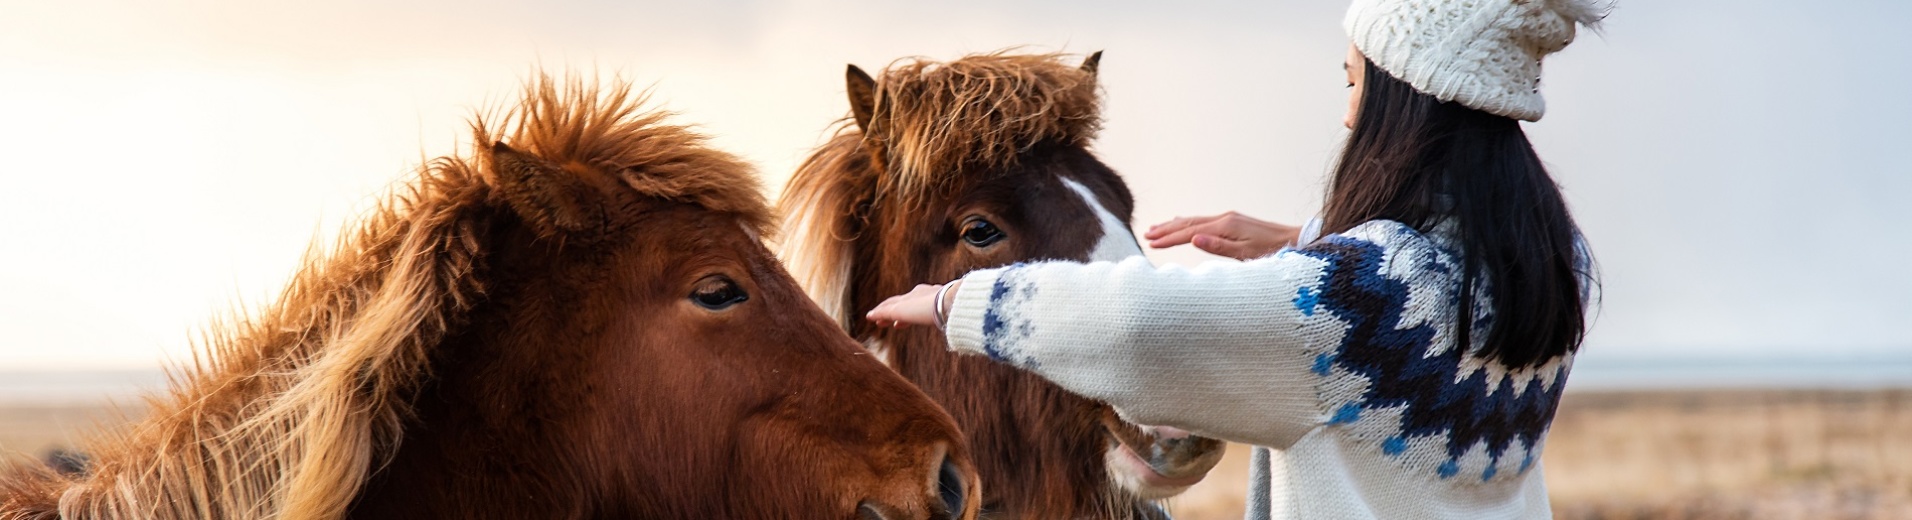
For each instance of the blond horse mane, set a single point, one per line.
(932, 122)
(286, 414)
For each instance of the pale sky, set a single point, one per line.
(1736, 165)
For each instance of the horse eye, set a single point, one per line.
(981, 233)
(718, 293)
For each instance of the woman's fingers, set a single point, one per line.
(1164, 227)
(1229, 234)
(1172, 239)
(1174, 225)
(917, 307)
(1221, 226)
(1216, 245)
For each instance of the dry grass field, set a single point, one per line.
(1700, 455)
(1719, 455)
(32, 429)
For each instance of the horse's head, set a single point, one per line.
(976, 163)
(637, 351)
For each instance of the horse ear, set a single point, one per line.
(544, 194)
(862, 96)
(1091, 63)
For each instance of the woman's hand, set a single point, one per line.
(1230, 234)
(917, 307)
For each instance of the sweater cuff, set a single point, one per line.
(964, 329)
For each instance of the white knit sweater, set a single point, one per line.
(1340, 354)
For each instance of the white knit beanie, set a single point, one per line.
(1483, 54)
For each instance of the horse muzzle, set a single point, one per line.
(952, 495)
(1157, 462)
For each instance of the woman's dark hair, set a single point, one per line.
(1417, 160)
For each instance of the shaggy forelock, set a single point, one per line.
(935, 120)
(612, 130)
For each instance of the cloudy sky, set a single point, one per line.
(1736, 165)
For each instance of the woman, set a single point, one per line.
(1408, 363)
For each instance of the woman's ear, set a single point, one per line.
(1356, 67)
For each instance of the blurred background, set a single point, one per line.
(1735, 165)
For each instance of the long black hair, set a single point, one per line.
(1417, 160)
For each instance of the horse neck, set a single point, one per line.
(483, 451)
(458, 469)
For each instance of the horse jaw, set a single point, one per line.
(1118, 241)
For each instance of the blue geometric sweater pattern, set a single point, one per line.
(1421, 402)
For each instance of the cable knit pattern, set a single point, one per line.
(1484, 54)
(1343, 353)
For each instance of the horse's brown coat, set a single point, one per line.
(511, 337)
(881, 207)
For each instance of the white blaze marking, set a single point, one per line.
(1117, 242)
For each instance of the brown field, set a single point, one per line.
(1618, 455)
(33, 429)
(1764, 454)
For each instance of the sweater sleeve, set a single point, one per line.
(1225, 349)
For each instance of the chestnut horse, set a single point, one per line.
(575, 320)
(970, 164)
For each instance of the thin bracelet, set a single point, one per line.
(942, 319)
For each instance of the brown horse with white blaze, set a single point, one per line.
(970, 164)
(576, 320)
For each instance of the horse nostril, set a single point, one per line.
(1187, 455)
(950, 485)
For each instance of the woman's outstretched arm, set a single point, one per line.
(1223, 350)
(1235, 351)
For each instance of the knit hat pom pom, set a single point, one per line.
(1587, 13)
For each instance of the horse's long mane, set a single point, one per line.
(285, 414)
(932, 122)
